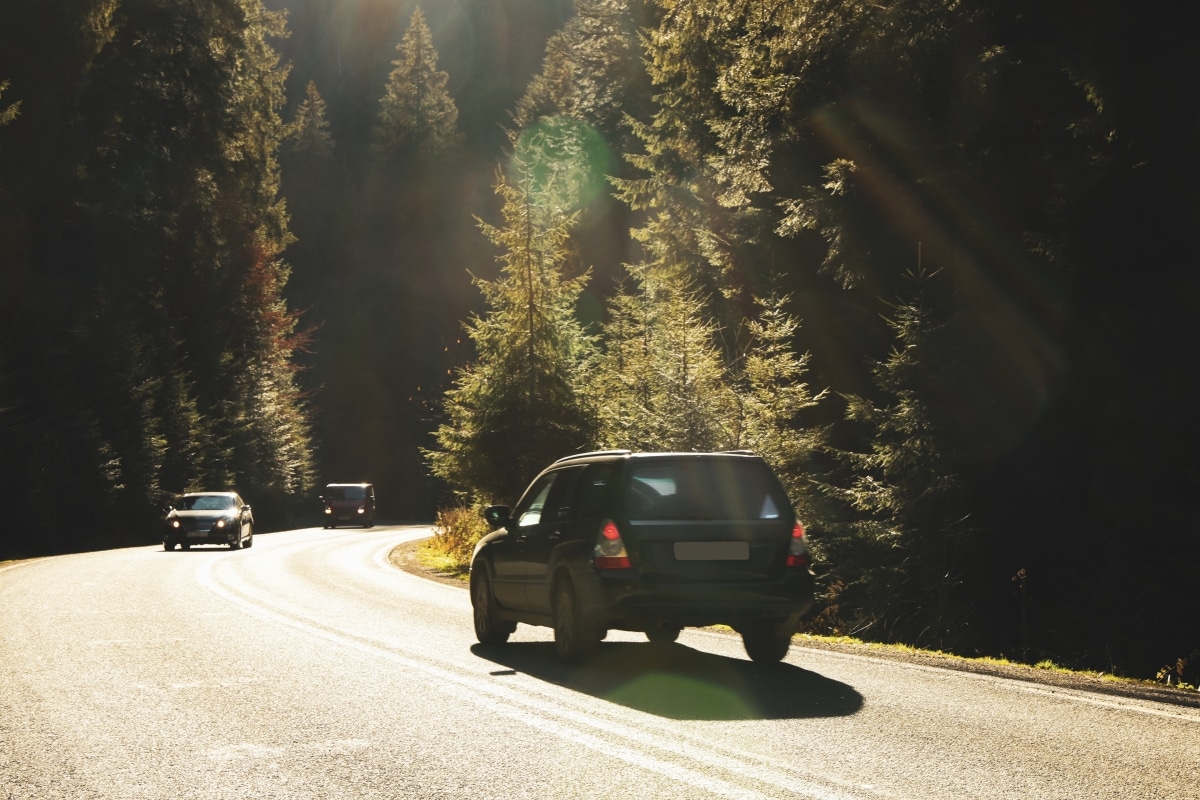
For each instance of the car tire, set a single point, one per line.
(488, 629)
(250, 535)
(662, 634)
(184, 546)
(764, 645)
(573, 642)
(236, 544)
(168, 545)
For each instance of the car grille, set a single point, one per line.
(197, 524)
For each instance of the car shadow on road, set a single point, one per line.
(679, 682)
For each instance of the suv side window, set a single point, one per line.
(558, 504)
(594, 496)
(529, 510)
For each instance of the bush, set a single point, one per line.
(455, 533)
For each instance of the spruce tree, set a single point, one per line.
(180, 199)
(775, 400)
(590, 71)
(518, 406)
(905, 555)
(310, 130)
(417, 116)
(661, 382)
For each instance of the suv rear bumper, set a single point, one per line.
(613, 600)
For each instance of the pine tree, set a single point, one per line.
(661, 381)
(774, 400)
(417, 117)
(519, 405)
(310, 130)
(590, 71)
(687, 228)
(180, 201)
(903, 557)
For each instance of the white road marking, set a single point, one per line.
(582, 725)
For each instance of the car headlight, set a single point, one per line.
(221, 523)
(361, 510)
(174, 523)
(328, 509)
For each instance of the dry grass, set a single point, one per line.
(455, 532)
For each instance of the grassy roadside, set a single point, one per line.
(429, 559)
(444, 565)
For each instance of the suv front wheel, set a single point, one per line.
(488, 629)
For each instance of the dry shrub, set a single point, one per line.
(455, 532)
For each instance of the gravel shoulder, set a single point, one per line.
(404, 557)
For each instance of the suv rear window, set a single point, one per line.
(706, 489)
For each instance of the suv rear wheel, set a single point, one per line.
(572, 640)
(764, 645)
(662, 634)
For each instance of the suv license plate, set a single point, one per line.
(712, 551)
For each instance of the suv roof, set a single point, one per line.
(601, 454)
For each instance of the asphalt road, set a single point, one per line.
(309, 667)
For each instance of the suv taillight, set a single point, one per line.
(798, 550)
(609, 552)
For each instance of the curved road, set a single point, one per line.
(309, 667)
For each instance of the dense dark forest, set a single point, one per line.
(931, 259)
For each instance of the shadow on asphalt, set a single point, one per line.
(678, 682)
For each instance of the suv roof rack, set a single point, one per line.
(594, 453)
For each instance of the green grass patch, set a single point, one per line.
(433, 557)
(1044, 665)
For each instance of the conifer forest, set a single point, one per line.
(932, 259)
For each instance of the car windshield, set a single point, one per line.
(344, 492)
(709, 489)
(205, 502)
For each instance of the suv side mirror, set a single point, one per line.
(497, 516)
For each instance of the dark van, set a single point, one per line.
(349, 504)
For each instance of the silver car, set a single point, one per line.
(208, 518)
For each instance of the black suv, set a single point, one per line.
(649, 542)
